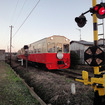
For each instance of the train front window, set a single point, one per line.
(51, 47)
(66, 48)
(59, 47)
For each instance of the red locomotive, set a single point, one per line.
(53, 51)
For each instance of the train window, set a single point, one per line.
(39, 50)
(43, 47)
(33, 47)
(36, 50)
(30, 51)
(59, 47)
(51, 47)
(66, 48)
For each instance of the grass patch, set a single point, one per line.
(12, 90)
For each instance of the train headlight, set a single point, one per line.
(59, 55)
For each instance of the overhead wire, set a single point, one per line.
(20, 11)
(14, 10)
(12, 17)
(26, 18)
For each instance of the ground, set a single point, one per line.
(55, 89)
(12, 90)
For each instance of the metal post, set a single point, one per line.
(80, 33)
(26, 55)
(26, 63)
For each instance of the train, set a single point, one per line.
(53, 52)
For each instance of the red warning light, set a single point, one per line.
(96, 8)
(102, 11)
(99, 10)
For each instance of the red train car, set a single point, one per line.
(53, 51)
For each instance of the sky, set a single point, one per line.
(50, 17)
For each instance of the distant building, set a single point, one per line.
(101, 43)
(79, 47)
(2, 55)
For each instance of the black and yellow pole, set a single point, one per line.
(95, 33)
(97, 98)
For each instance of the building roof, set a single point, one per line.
(101, 39)
(83, 43)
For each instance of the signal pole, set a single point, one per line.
(10, 42)
(95, 33)
(26, 55)
(97, 98)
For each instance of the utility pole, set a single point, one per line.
(10, 42)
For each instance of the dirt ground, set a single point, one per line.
(55, 89)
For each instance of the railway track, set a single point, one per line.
(63, 72)
(70, 74)
(67, 73)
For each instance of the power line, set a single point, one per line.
(26, 18)
(15, 10)
(20, 11)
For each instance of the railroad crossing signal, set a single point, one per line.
(81, 20)
(99, 10)
(94, 56)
